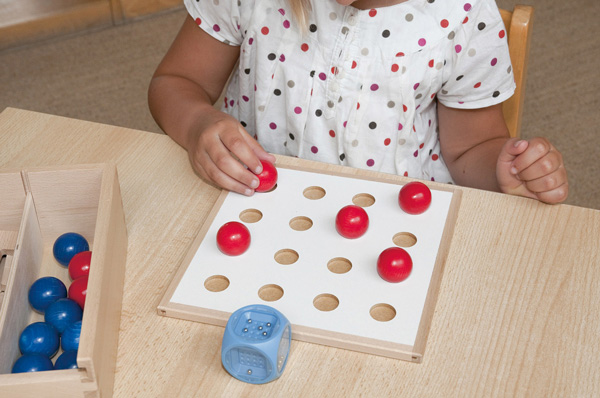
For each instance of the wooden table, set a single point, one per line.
(517, 313)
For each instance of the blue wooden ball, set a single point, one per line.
(66, 360)
(67, 245)
(45, 291)
(62, 313)
(39, 338)
(69, 340)
(32, 363)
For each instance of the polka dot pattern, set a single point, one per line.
(347, 90)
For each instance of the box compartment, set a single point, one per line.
(36, 206)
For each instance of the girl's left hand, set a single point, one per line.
(532, 168)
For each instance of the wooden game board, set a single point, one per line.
(326, 285)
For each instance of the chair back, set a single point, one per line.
(518, 28)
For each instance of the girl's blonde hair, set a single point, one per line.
(300, 9)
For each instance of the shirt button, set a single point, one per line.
(334, 86)
(352, 20)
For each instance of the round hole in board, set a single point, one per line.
(339, 265)
(251, 215)
(301, 223)
(216, 283)
(363, 200)
(326, 302)
(286, 256)
(382, 312)
(270, 292)
(314, 193)
(404, 239)
(272, 189)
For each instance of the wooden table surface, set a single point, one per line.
(517, 313)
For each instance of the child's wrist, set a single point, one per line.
(202, 118)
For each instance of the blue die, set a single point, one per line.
(256, 344)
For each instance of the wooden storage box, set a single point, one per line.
(37, 206)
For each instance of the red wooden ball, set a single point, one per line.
(414, 197)
(352, 221)
(267, 178)
(78, 290)
(394, 264)
(233, 238)
(80, 265)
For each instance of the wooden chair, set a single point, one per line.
(518, 27)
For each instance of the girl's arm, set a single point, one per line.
(187, 82)
(479, 153)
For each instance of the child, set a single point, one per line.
(410, 87)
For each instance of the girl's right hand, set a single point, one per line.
(223, 153)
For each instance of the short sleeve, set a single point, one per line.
(481, 72)
(220, 19)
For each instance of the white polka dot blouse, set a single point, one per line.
(360, 87)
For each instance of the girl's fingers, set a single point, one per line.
(554, 196)
(220, 161)
(507, 180)
(548, 182)
(544, 166)
(534, 170)
(212, 173)
(536, 150)
(237, 142)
